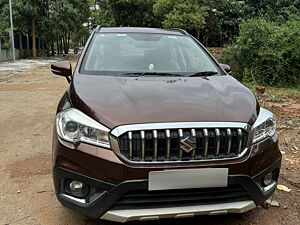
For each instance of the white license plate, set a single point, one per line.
(187, 178)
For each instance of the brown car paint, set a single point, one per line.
(115, 101)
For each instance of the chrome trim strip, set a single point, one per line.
(180, 161)
(155, 144)
(270, 186)
(229, 136)
(240, 139)
(143, 144)
(130, 143)
(178, 212)
(205, 133)
(80, 200)
(114, 143)
(168, 138)
(218, 135)
(177, 125)
(193, 134)
(180, 133)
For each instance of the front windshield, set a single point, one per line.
(119, 53)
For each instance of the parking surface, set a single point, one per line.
(28, 99)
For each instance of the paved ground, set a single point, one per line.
(25, 63)
(28, 98)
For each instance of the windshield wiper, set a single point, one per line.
(204, 73)
(140, 74)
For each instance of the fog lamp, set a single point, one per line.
(268, 179)
(76, 186)
(78, 189)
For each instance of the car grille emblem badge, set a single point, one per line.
(188, 144)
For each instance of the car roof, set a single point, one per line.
(141, 30)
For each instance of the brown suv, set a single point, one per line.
(152, 127)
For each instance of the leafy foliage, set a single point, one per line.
(224, 16)
(263, 38)
(4, 24)
(222, 22)
(267, 53)
(186, 14)
(133, 12)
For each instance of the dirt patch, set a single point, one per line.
(283, 105)
(28, 101)
(37, 165)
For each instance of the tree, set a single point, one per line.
(222, 22)
(4, 24)
(123, 13)
(101, 13)
(274, 10)
(266, 52)
(68, 16)
(186, 14)
(28, 13)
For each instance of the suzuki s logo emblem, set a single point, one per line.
(188, 144)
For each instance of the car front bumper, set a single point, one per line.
(110, 179)
(101, 205)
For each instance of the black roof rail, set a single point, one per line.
(98, 28)
(179, 30)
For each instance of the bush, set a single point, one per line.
(266, 53)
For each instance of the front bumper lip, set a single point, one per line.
(178, 212)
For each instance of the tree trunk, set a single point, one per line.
(21, 45)
(64, 43)
(68, 42)
(52, 48)
(198, 33)
(61, 45)
(57, 44)
(0, 50)
(33, 38)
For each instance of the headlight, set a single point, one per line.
(74, 126)
(264, 126)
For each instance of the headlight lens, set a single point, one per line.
(265, 125)
(74, 126)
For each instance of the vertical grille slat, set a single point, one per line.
(229, 136)
(155, 144)
(168, 144)
(143, 144)
(193, 134)
(240, 140)
(130, 144)
(205, 133)
(183, 144)
(218, 140)
(180, 136)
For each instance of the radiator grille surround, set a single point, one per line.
(186, 142)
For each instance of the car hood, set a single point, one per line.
(114, 100)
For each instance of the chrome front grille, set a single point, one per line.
(182, 144)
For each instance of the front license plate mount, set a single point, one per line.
(187, 178)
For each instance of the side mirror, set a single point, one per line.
(62, 68)
(225, 67)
